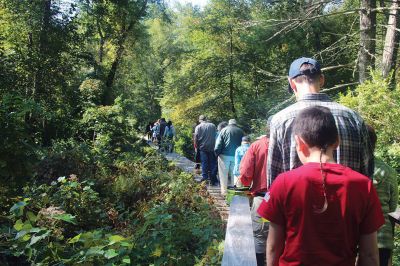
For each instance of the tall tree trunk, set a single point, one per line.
(108, 96)
(389, 51)
(231, 82)
(367, 38)
(42, 50)
(101, 41)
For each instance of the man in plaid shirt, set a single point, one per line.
(305, 81)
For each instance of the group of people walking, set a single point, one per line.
(218, 148)
(161, 133)
(310, 177)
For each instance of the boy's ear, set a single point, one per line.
(301, 144)
(336, 145)
(292, 85)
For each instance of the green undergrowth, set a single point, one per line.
(143, 212)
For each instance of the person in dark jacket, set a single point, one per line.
(163, 124)
(227, 142)
(204, 137)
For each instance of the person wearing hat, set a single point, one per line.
(204, 139)
(227, 142)
(305, 81)
(239, 153)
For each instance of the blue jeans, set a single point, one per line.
(208, 165)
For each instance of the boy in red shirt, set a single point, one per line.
(321, 212)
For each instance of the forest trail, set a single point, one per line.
(187, 165)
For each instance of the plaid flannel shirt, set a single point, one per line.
(354, 151)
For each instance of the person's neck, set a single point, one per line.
(315, 156)
(306, 89)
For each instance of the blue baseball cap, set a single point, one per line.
(294, 70)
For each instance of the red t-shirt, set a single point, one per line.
(331, 237)
(253, 167)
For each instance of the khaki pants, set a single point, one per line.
(225, 171)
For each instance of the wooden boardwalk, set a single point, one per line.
(214, 191)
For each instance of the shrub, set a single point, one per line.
(66, 157)
(184, 142)
(17, 145)
(380, 107)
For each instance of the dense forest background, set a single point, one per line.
(79, 80)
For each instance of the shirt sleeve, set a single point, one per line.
(373, 218)
(247, 166)
(218, 144)
(274, 162)
(272, 206)
(196, 137)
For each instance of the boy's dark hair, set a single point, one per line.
(372, 136)
(316, 126)
(310, 76)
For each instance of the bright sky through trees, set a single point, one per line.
(200, 3)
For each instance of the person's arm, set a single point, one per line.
(196, 137)
(219, 144)
(368, 250)
(275, 243)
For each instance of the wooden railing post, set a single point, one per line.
(239, 246)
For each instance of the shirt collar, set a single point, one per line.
(314, 97)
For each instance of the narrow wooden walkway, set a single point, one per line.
(214, 191)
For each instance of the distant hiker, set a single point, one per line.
(305, 80)
(220, 126)
(227, 142)
(252, 173)
(169, 134)
(156, 131)
(163, 124)
(196, 150)
(204, 135)
(386, 184)
(321, 213)
(239, 153)
(148, 130)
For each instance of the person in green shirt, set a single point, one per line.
(386, 184)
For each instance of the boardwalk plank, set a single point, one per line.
(239, 243)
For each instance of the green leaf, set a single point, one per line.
(115, 238)
(18, 225)
(75, 239)
(18, 208)
(31, 216)
(66, 217)
(20, 234)
(35, 230)
(35, 239)
(127, 260)
(27, 226)
(110, 254)
(95, 251)
(26, 237)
